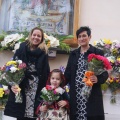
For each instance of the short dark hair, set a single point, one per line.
(83, 28)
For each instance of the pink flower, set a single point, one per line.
(22, 66)
(55, 92)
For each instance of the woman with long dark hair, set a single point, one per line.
(34, 53)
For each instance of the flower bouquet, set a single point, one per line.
(113, 83)
(4, 92)
(12, 73)
(105, 45)
(97, 64)
(49, 94)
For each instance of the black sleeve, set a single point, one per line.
(65, 96)
(102, 77)
(67, 73)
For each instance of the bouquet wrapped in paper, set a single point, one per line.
(12, 73)
(49, 94)
(97, 64)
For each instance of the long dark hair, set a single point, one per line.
(63, 81)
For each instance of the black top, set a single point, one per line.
(40, 58)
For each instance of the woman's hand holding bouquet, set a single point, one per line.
(12, 73)
(97, 64)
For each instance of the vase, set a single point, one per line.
(52, 52)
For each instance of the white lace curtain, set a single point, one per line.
(4, 14)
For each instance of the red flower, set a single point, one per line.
(105, 61)
(107, 64)
(49, 87)
(90, 57)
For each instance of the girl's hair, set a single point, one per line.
(42, 44)
(63, 81)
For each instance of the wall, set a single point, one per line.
(103, 17)
(60, 60)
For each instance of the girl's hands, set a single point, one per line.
(93, 79)
(43, 108)
(62, 103)
(15, 89)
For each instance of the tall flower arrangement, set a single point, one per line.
(113, 55)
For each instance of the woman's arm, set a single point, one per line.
(67, 73)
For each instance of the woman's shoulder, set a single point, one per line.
(23, 44)
(96, 50)
(75, 51)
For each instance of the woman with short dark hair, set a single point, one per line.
(80, 107)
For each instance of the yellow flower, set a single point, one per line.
(67, 89)
(118, 59)
(48, 43)
(1, 92)
(117, 80)
(107, 41)
(95, 43)
(111, 81)
(112, 61)
(11, 63)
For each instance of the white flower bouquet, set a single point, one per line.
(50, 95)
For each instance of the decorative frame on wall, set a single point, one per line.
(70, 17)
(51, 16)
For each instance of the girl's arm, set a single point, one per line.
(64, 102)
(41, 108)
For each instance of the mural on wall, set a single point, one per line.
(51, 15)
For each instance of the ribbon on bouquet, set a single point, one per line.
(86, 78)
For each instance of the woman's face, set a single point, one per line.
(55, 79)
(36, 37)
(83, 39)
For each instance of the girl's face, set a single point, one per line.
(55, 79)
(36, 37)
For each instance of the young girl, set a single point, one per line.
(58, 110)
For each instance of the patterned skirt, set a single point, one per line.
(53, 114)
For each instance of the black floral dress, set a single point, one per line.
(81, 101)
(31, 91)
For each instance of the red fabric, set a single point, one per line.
(37, 110)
